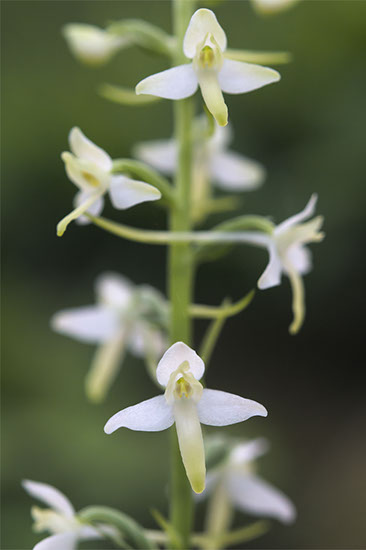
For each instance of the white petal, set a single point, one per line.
(114, 290)
(299, 258)
(105, 366)
(273, 6)
(126, 192)
(237, 77)
(252, 494)
(85, 149)
(212, 95)
(202, 22)
(301, 216)
(152, 415)
(88, 532)
(271, 276)
(50, 496)
(235, 172)
(91, 44)
(88, 324)
(162, 154)
(219, 408)
(190, 442)
(248, 451)
(176, 83)
(94, 209)
(62, 541)
(177, 354)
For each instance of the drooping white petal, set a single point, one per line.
(298, 300)
(126, 192)
(85, 149)
(87, 532)
(202, 23)
(94, 209)
(256, 496)
(219, 408)
(248, 451)
(160, 154)
(176, 83)
(152, 415)
(93, 198)
(234, 172)
(90, 44)
(105, 366)
(271, 276)
(212, 95)
(190, 442)
(114, 290)
(88, 324)
(177, 354)
(50, 496)
(237, 77)
(301, 216)
(299, 258)
(62, 541)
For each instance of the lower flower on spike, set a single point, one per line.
(187, 404)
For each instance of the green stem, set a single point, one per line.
(180, 272)
(211, 312)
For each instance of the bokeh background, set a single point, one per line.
(309, 131)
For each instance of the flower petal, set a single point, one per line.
(176, 83)
(177, 354)
(237, 77)
(152, 415)
(301, 216)
(88, 324)
(298, 300)
(50, 496)
(114, 290)
(212, 95)
(272, 6)
(62, 541)
(202, 22)
(107, 361)
(271, 276)
(126, 192)
(219, 408)
(299, 258)
(256, 496)
(235, 172)
(248, 451)
(90, 44)
(160, 154)
(87, 532)
(94, 209)
(80, 210)
(85, 149)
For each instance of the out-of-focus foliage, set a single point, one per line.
(308, 130)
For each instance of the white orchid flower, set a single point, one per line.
(288, 254)
(91, 44)
(188, 404)
(229, 170)
(273, 6)
(205, 43)
(235, 484)
(125, 318)
(90, 168)
(60, 519)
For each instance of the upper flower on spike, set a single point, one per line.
(60, 520)
(243, 489)
(212, 161)
(90, 44)
(125, 317)
(205, 43)
(273, 6)
(188, 404)
(90, 168)
(288, 254)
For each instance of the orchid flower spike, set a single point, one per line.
(186, 403)
(269, 7)
(90, 44)
(126, 317)
(236, 484)
(59, 519)
(212, 161)
(90, 169)
(288, 254)
(205, 43)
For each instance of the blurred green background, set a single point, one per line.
(309, 131)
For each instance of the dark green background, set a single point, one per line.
(309, 131)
